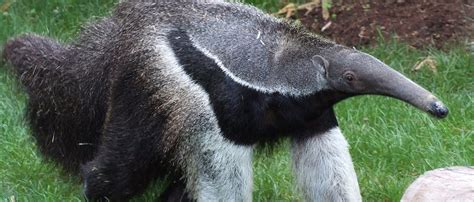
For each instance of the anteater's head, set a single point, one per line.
(352, 72)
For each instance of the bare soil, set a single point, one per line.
(419, 23)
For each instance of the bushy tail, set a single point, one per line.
(64, 123)
(31, 51)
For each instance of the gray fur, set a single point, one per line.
(253, 49)
(229, 165)
(268, 66)
(324, 169)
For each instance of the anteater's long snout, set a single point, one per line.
(438, 109)
(400, 87)
(383, 80)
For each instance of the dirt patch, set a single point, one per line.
(417, 22)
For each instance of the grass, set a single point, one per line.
(391, 143)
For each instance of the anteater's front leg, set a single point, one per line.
(323, 165)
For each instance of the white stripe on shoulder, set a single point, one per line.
(227, 71)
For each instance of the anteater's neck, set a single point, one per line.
(245, 115)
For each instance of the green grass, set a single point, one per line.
(391, 142)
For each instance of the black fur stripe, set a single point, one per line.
(247, 116)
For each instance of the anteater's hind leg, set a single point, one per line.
(64, 118)
(131, 152)
(129, 158)
(123, 168)
(176, 192)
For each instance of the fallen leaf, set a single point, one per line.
(326, 4)
(5, 6)
(309, 6)
(326, 26)
(428, 62)
(288, 10)
(363, 33)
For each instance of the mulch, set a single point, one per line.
(420, 23)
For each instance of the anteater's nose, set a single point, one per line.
(438, 109)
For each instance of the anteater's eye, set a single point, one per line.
(349, 76)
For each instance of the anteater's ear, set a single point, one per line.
(320, 63)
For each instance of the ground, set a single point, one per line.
(418, 23)
(391, 143)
